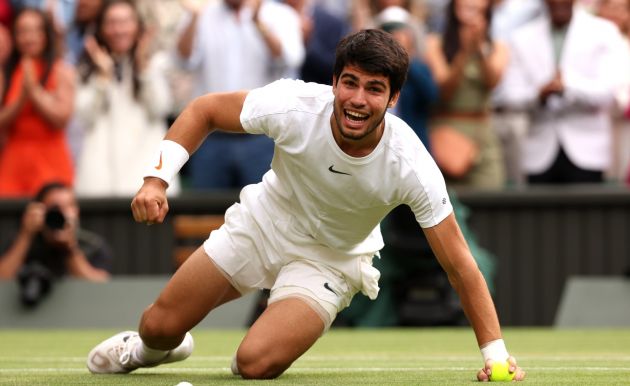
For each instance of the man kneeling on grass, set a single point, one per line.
(310, 229)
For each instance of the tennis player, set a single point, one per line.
(310, 229)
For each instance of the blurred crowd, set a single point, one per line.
(502, 92)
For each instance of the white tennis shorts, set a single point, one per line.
(254, 257)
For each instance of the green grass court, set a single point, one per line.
(429, 356)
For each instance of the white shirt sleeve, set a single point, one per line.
(269, 110)
(262, 104)
(426, 192)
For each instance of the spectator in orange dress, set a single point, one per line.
(37, 98)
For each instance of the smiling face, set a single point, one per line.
(361, 101)
(370, 69)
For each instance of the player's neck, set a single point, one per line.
(357, 147)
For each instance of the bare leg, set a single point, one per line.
(284, 331)
(196, 288)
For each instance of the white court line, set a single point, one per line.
(42, 359)
(320, 358)
(433, 358)
(176, 370)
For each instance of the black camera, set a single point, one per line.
(54, 218)
(35, 282)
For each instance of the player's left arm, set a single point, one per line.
(453, 254)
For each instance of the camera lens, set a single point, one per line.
(54, 218)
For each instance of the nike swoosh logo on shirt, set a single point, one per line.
(159, 165)
(337, 171)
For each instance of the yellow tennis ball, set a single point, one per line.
(500, 372)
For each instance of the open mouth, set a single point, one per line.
(355, 116)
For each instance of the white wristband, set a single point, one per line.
(494, 350)
(171, 156)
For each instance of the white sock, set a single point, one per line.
(146, 355)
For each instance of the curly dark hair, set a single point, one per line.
(376, 52)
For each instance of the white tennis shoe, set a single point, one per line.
(113, 355)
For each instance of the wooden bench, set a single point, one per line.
(190, 232)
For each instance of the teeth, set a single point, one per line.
(355, 114)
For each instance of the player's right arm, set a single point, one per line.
(221, 111)
(203, 115)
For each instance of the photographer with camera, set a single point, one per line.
(50, 244)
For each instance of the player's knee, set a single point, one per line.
(256, 364)
(156, 324)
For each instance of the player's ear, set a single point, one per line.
(393, 100)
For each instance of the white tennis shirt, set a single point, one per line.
(314, 190)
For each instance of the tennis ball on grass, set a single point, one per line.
(500, 372)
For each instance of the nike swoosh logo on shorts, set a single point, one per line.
(330, 289)
(337, 171)
(159, 165)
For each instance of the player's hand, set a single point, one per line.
(150, 205)
(483, 375)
